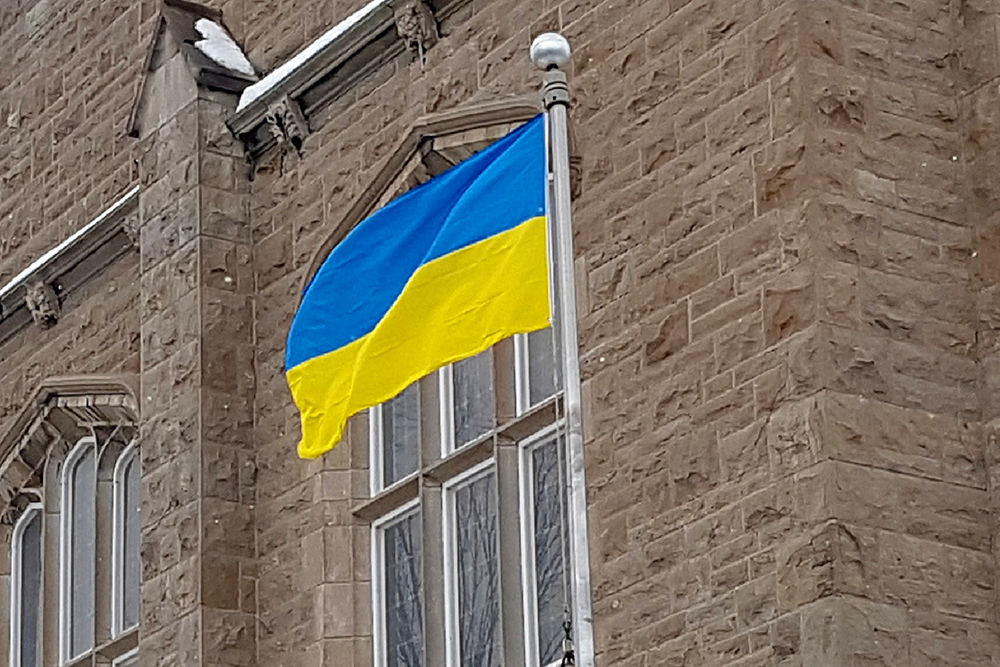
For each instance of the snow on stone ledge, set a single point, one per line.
(54, 252)
(220, 47)
(275, 78)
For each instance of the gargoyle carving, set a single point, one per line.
(132, 225)
(42, 302)
(286, 124)
(416, 24)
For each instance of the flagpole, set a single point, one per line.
(550, 52)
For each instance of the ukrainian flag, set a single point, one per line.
(441, 273)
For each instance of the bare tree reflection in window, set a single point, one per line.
(28, 580)
(403, 596)
(550, 547)
(473, 395)
(400, 435)
(543, 372)
(83, 488)
(478, 575)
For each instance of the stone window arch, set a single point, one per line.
(68, 437)
(468, 558)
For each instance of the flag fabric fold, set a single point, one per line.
(439, 274)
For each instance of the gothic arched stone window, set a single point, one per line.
(466, 506)
(61, 464)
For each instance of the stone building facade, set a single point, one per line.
(787, 240)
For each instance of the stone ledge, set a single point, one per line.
(327, 68)
(36, 293)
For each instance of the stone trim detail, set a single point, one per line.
(330, 70)
(416, 24)
(286, 124)
(69, 265)
(62, 410)
(42, 303)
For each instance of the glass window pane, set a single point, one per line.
(400, 435)
(543, 371)
(81, 580)
(478, 574)
(131, 527)
(473, 397)
(551, 544)
(30, 581)
(403, 599)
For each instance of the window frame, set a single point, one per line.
(376, 448)
(522, 389)
(529, 577)
(378, 529)
(121, 660)
(446, 418)
(522, 374)
(446, 394)
(16, 574)
(440, 463)
(118, 519)
(452, 632)
(65, 547)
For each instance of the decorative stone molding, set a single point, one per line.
(42, 302)
(334, 63)
(67, 266)
(132, 226)
(286, 124)
(212, 56)
(62, 410)
(416, 24)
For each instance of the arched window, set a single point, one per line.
(125, 543)
(78, 547)
(67, 473)
(469, 537)
(26, 589)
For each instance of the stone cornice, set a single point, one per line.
(330, 66)
(35, 294)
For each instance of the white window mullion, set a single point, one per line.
(376, 448)
(446, 384)
(522, 400)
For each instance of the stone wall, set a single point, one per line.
(786, 251)
(97, 333)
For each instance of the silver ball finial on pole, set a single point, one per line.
(549, 50)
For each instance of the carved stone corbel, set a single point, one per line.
(286, 124)
(416, 24)
(132, 225)
(42, 302)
